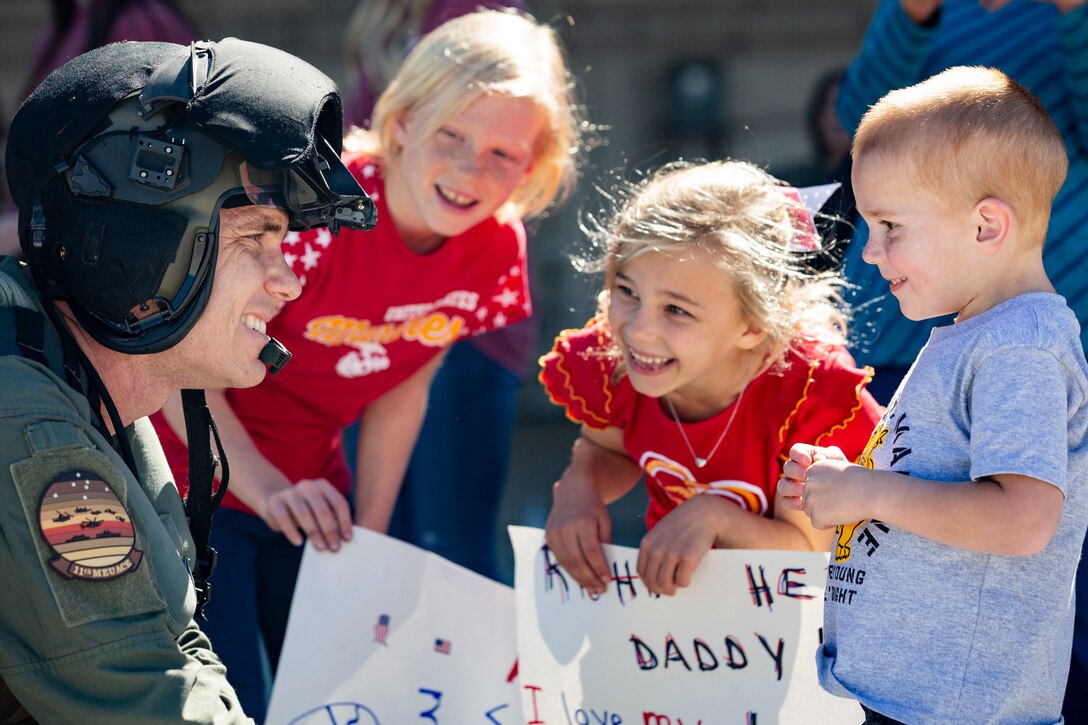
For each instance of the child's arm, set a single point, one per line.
(310, 507)
(671, 550)
(387, 434)
(600, 472)
(1006, 514)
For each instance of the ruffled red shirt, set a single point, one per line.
(818, 398)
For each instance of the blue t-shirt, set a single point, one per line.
(924, 632)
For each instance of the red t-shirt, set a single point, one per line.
(822, 402)
(371, 313)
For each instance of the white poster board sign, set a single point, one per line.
(736, 647)
(384, 633)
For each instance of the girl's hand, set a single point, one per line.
(577, 525)
(671, 550)
(312, 508)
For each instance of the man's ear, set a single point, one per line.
(994, 221)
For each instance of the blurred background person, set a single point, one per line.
(76, 26)
(830, 140)
(829, 163)
(378, 37)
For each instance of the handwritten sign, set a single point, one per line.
(384, 633)
(737, 646)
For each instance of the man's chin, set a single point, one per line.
(254, 375)
(255, 379)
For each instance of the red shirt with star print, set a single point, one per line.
(372, 312)
(818, 397)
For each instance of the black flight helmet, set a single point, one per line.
(122, 158)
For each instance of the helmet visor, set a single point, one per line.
(317, 192)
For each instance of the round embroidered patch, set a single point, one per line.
(84, 522)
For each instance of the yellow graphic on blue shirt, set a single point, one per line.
(844, 533)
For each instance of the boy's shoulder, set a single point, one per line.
(1038, 319)
(1010, 335)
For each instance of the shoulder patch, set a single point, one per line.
(84, 523)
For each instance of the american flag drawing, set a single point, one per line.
(442, 646)
(381, 629)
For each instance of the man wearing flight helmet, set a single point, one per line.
(155, 184)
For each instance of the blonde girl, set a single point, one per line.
(717, 347)
(473, 396)
(477, 131)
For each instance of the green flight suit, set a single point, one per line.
(97, 597)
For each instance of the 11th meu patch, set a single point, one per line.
(84, 523)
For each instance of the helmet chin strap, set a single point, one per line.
(202, 501)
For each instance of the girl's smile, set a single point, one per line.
(647, 364)
(681, 330)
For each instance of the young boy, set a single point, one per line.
(949, 597)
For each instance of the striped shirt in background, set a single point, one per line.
(1029, 41)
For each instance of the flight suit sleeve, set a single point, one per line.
(96, 609)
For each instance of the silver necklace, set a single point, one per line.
(699, 461)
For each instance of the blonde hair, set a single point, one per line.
(973, 133)
(379, 34)
(501, 52)
(747, 221)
